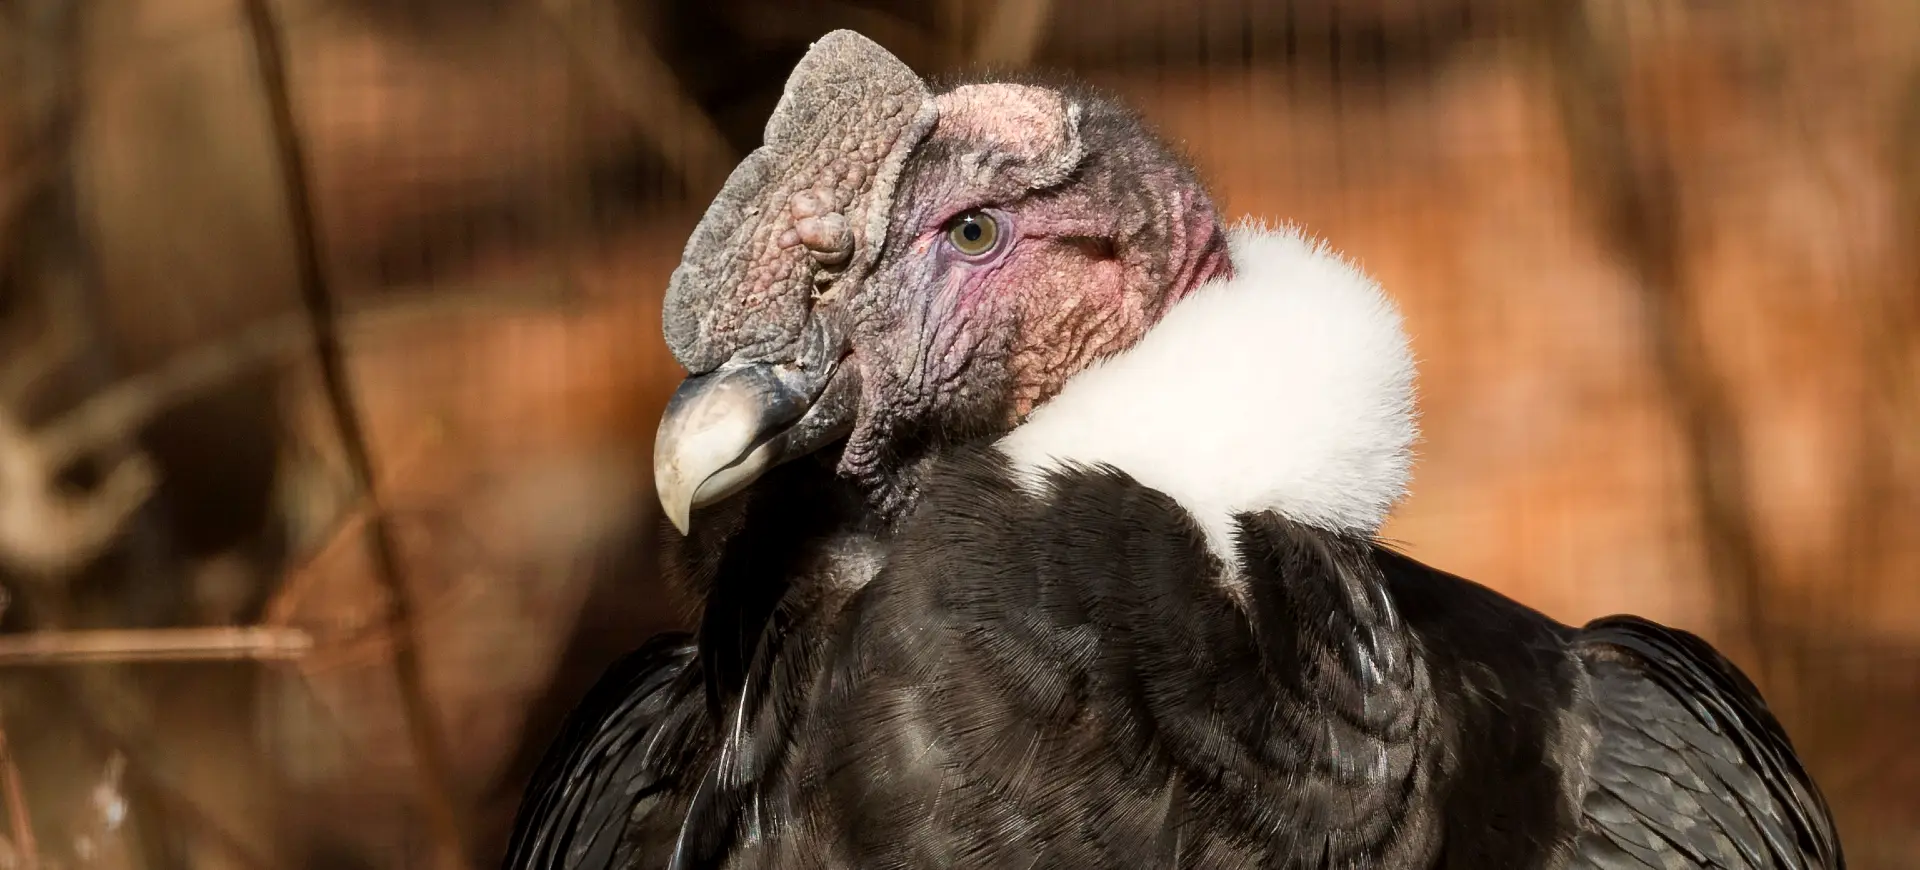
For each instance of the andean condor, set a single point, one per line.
(1031, 513)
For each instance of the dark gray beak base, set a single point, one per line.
(724, 429)
(720, 432)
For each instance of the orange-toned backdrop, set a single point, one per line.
(1658, 261)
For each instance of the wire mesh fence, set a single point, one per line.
(330, 356)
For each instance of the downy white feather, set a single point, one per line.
(1288, 387)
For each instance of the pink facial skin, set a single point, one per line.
(1101, 229)
(1075, 299)
(827, 253)
(1064, 288)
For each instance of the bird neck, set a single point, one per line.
(783, 541)
(1180, 248)
(1195, 249)
(1355, 730)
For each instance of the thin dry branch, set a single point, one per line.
(56, 344)
(47, 530)
(429, 752)
(646, 89)
(128, 405)
(153, 645)
(33, 108)
(19, 817)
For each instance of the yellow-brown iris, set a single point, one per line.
(974, 233)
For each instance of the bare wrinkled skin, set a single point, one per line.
(842, 218)
(823, 179)
(1102, 230)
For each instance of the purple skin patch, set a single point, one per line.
(1100, 227)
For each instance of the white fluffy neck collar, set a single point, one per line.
(1289, 387)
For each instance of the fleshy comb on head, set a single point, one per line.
(808, 206)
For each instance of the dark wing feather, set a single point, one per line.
(625, 745)
(1691, 769)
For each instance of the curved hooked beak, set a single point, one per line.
(724, 429)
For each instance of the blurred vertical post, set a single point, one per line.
(1636, 208)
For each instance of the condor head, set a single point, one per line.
(899, 267)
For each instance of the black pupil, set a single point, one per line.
(971, 232)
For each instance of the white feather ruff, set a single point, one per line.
(1289, 387)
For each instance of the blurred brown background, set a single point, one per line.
(330, 357)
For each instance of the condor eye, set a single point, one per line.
(974, 233)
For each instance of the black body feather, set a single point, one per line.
(1692, 769)
(621, 758)
(1075, 681)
